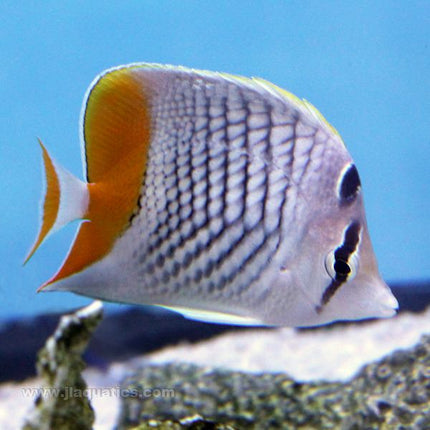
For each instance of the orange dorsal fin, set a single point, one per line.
(116, 133)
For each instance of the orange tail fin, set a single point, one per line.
(65, 200)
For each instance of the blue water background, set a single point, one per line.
(365, 65)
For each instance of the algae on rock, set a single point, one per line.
(63, 403)
(391, 393)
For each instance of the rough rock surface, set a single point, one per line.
(333, 354)
(62, 401)
(393, 393)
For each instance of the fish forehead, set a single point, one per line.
(231, 174)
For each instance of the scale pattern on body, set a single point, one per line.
(223, 173)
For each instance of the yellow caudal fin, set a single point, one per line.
(116, 136)
(65, 200)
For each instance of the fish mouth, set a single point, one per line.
(360, 299)
(389, 305)
(385, 303)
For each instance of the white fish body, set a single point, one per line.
(225, 198)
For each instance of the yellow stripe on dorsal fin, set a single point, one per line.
(300, 103)
(116, 133)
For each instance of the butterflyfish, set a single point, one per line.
(224, 198)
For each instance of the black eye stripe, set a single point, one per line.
(342, 254)
(350, 242)
(350, 185)
(329, 292)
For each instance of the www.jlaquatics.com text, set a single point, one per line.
(92, 392)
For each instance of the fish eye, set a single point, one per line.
(339, 269)
(342, 268)
(349, 184)
(329, 265)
